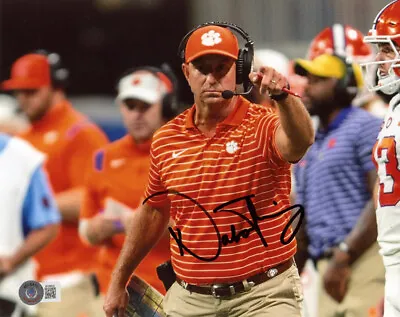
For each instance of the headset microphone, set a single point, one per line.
(228, 94)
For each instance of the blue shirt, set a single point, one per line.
(39, 207)
(331, 178)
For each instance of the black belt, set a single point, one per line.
(226, 290)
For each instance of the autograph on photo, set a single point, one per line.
(235, 237)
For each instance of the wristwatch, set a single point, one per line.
(344, 255)
(344, 247)
(281, 96)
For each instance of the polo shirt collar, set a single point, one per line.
(129, 144)
(233, 119)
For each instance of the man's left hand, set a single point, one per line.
(337, 275)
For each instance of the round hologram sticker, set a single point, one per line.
(31, 292)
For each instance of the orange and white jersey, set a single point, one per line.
(386, 156)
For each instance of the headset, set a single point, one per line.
(58, 73)
(169, 102)
(244, 63)
(348, 83)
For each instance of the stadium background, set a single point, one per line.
(99, 39)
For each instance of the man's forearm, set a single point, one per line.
(89, 233)
(364, 233)
(69, 203)
(297, 125)
(33, 243)
(97, 230)
(148, 225)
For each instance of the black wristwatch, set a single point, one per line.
(281, 96)
(344, 247)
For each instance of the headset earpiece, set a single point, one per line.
(247, 55)
(240, 66)
(348, 83)
(59, 75)
(244, 63)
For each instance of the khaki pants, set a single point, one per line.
(366, 287)
(97, 306)
(279, 296)
(75, 301)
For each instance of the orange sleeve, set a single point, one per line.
(155, 193)
(80, 151)
(266, 128)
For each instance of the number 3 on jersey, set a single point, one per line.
(388, 164)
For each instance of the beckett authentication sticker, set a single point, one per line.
(31, 292)
(52, 292)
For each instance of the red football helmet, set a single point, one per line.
(347, 43)
(386, 30)
(342, 40)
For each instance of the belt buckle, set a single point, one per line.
(272, 272)
(214, 288)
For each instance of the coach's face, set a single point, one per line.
(209, 75)
(34, 103)
(319, 94)
(140, 118)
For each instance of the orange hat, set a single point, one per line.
(211, 39)
(31, 71)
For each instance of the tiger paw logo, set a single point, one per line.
(231, 147)
(211, 38)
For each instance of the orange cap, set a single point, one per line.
(211, 39)
(31, 71)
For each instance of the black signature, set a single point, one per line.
(235, 236)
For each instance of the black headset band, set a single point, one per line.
(182, 45)
(58, 73)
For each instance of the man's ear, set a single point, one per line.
(185, 70)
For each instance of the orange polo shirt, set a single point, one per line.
(232, 212)
(120, 171)
(69, 139)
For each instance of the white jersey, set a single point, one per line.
(18, 161)
(387, 158)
